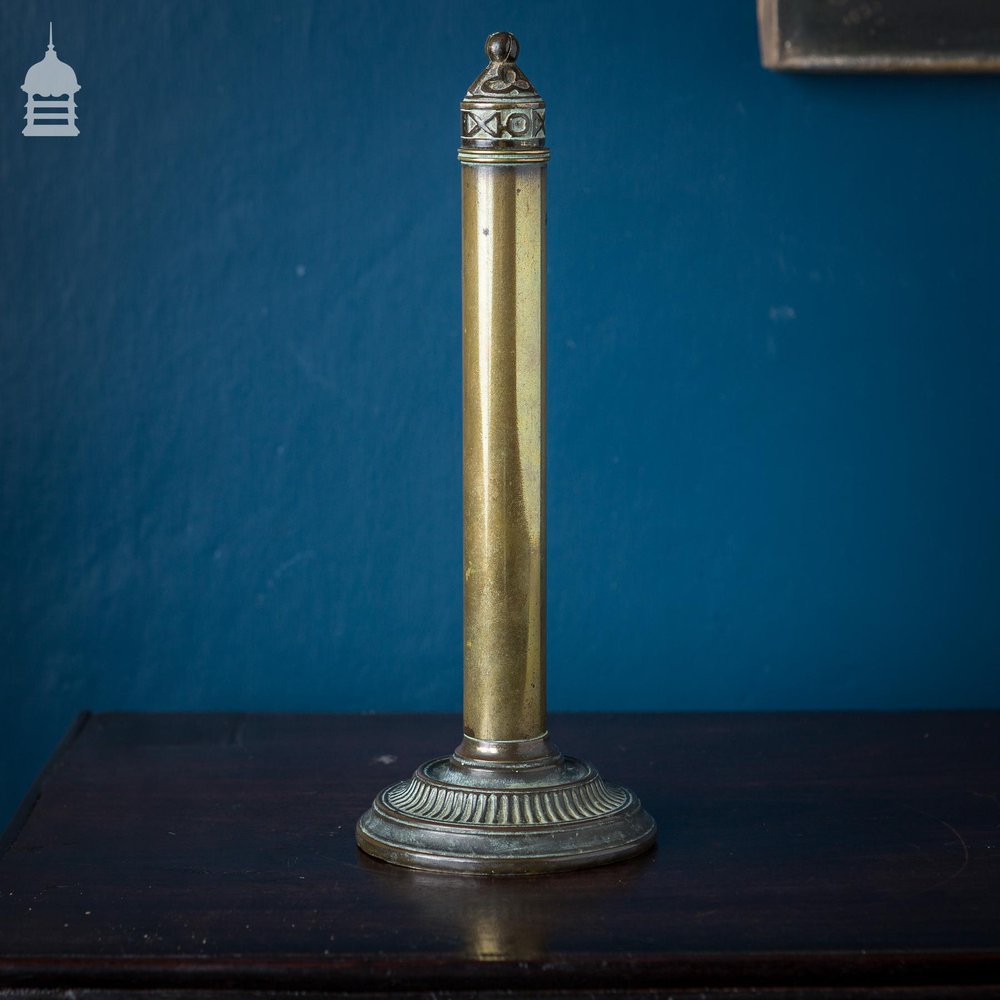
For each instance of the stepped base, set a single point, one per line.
(505, 816)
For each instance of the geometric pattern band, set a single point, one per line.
(509, 123)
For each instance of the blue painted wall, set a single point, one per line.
(230, 379)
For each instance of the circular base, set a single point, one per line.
(503, 818)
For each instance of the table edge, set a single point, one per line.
(27, 805)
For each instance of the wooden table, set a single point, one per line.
(813, 854)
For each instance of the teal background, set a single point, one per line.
(230, 371)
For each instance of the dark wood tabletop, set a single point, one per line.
(810, 854)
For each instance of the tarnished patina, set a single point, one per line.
(506, 801)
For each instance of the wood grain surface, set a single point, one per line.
(812, 854)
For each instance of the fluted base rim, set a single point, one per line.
(453, 815)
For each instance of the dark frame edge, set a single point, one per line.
(774, 57)
(767, 34)
(34, 793)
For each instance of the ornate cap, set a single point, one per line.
(503, 117)
(51, 77)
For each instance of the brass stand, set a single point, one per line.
(506, 801)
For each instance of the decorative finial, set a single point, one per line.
(502, 114)
(502, 47)
(52, 48)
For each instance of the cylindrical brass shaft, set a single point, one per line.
(503, 414)
(506, 801)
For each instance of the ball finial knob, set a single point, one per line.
(502, 47)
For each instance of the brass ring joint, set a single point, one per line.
(499, 157)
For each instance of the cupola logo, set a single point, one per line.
(51, 88)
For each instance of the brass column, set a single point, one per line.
(503, 430)
(506, 801)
